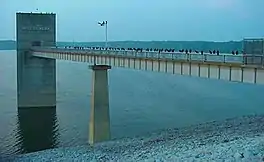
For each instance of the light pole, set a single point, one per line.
(106, 41)
(104, 23)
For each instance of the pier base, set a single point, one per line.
(99, 126)
(36, 81)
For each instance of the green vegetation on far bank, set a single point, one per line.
(7, 45)
(194, 45)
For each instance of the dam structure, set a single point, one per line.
(36, 67)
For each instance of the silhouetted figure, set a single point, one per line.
(210, 51)
(213, 51)
(233, 52)
(190, 51)
(217, 52)
(182, 50)
(202, 52)
(186, 51)
(236, 52)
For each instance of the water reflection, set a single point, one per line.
(37, 129)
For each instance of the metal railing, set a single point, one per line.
(222, 58)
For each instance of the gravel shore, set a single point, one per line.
(237, 139)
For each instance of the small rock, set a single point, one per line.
(238, 156)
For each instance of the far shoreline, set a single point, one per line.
(224, 47)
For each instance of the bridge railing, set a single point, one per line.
(223, 58)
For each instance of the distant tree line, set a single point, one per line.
(225, 47)
(7, 45)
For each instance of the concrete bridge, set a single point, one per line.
(36, 68)
(237, 68)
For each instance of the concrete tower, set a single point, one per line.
(255, 48)
(36, 77)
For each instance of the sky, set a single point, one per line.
(145, 20)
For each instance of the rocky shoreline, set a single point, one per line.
(236, 139)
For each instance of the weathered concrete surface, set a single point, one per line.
(99, 126)
(36, 77)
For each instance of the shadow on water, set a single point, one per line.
(37, 129)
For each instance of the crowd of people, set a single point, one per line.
(159, 50)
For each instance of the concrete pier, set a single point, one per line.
(36, 77)
(99, 126)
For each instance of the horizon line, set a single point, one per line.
(142, 41)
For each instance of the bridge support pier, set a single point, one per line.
(99, 126)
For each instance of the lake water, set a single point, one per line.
(140, 102)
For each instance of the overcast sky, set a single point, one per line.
(209, 20)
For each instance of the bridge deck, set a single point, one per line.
(224, 67)
(222, 59)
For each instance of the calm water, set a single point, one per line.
(140, 102)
